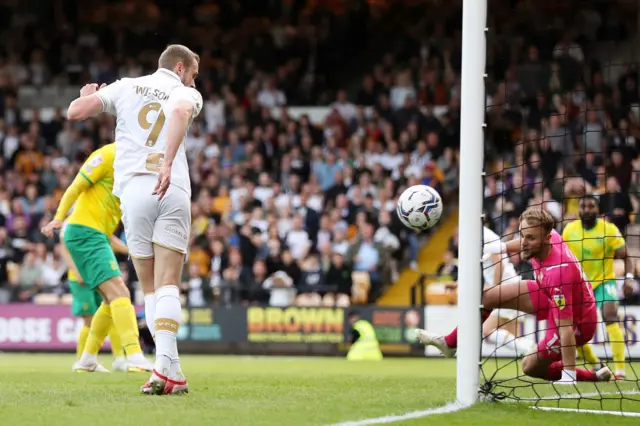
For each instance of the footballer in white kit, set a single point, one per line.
(497, 270)
(145, 102)
(501, 328)
(151, 178)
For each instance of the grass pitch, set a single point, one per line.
(239, 391)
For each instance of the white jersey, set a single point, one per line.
(488, 266)
(142, 106)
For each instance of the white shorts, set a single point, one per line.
(148, 221)
(508, 314)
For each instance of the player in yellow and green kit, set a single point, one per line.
(596, 243)
(87, 237)
(85, 304)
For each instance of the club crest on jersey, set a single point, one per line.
(560, 301)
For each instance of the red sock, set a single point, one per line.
(584, 375)
(486, 313)
(451, 339)
(554, 372)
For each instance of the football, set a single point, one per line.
(419, 207)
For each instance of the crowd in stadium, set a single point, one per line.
(562, 122)
(286, 208)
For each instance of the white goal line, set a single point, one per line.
(449, 408)
(454, 406)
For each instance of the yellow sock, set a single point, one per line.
(100, 325)
(586, 353)
(124, 320)
(82, 340)
(616, 337)
(116, 343)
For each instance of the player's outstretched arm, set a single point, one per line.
(498, 247)
(87, 105)
(496, 259)
(77, 187)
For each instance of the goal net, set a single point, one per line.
(563, 135)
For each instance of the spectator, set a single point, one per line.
(280, 288)
(196, 288)
(29, 279)
(367, 256)
(616, 205)
(448, 269)
(312, 286)
(236, 280)
(339, 276)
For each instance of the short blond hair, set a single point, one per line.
(175, 53)
(535, 216)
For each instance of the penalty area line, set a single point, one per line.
(578, 410)
(449, 408)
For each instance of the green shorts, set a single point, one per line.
(606, 292)
(91, 252)
(85, 301)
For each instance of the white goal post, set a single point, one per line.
(474, 46)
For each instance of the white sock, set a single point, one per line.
(175, 371)
(520, 345)
(498, 337)
(118, 359)
(88, 359)
(525, 346)
(150, 312)
(137, 358)
(167, 322)
(502, 338)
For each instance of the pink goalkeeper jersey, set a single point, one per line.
(561, 277)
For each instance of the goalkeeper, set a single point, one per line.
(596, 243)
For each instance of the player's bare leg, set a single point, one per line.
(144, 270)
(513, 295)
(167, 375)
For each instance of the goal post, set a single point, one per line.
(472, 114)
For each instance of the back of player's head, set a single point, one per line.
(175, 53)
(535, 216)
